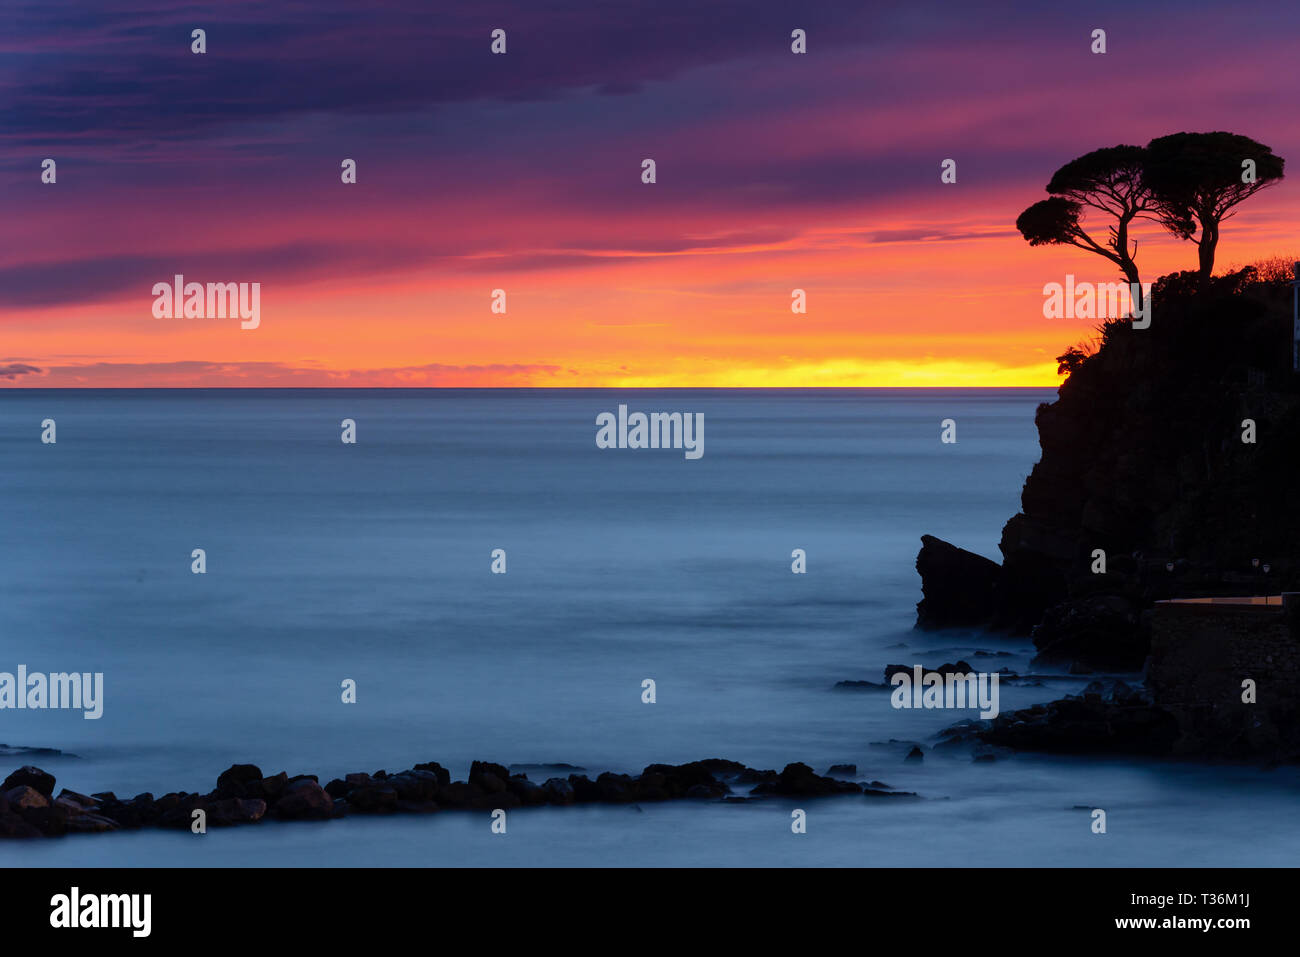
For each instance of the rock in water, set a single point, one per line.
(799, 780)
(958, 586)
(239, 779)
(22, 797)
(305, 799)
(34, 778)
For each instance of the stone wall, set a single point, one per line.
(1201, 654)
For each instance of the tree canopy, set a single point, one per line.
(1187, 182)
(1197, 180)
(1111, 181)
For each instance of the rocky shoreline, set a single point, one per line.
(244, 795)
(1167, 472)
(1108, 717)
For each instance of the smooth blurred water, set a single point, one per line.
(371, 561)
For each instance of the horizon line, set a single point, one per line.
(510, 388)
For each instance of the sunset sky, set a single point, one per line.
(522, 172)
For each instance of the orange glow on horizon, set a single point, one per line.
(963, 308)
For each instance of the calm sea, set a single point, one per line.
(372, 562)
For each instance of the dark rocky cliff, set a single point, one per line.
(1143, 458)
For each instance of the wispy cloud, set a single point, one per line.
(15, 369)
(201, 374)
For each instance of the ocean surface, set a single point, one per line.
(328, 561)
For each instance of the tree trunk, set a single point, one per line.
(1130, 270)
(1135, 289)
(1127, 265)
(1205, 252)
